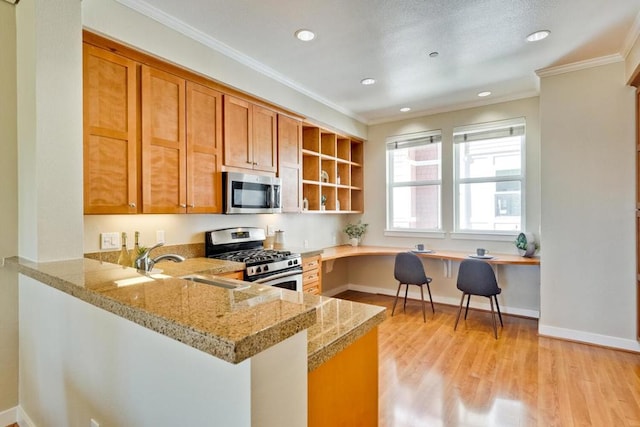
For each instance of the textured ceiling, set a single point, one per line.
(481, 45)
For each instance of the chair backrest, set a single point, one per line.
(477, 278)
(409, 269)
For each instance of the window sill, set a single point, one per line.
(416, 233)
(498, 237)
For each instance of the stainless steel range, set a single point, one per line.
(278, 268)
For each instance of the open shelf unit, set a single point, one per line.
(332, 166)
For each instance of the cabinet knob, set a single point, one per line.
(132, 205)
(192, 205)
(255, 163)
(182, 205)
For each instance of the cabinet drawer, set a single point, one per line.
(238, 275)
(312, 288)
(311, 275)
(311, 263)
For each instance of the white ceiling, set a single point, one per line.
(481, 45)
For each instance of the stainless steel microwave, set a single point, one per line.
(251, 194)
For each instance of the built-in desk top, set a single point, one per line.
(337, 252)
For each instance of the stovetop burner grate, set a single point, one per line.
(254, 255)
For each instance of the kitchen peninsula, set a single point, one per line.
(264, 339)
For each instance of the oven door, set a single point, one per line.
(290, 279)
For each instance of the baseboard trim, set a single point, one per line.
(9, 416)
(23, 418)
(589, 338)
(476, 303)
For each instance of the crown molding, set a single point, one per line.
(632, 37)
(580, 65)
(169, 21)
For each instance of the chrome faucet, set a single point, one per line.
(144, 263)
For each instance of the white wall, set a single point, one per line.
(79, 362)
(520, 284)
(8, 212)
(588, 206)
(318, 230)
(49, 84)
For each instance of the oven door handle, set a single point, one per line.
(279, 275)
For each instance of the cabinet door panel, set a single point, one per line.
(290, 162)
(237, 138)
(204, 149)
(110, 125)
(163, 142)
(264, 139)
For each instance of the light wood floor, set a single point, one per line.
(431, 375)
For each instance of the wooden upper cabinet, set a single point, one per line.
(249, 135)
(265, 139)
(290, 162)
(110, 135)
(204, 149)
(237, 139)
(164, 159)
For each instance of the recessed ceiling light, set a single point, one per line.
(368, 81)
(538, 35)
(405, 109)
(305, 35)
(483, 94)
(433, 54)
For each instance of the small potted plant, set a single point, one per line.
(526, 244)
(323, 202)
(355, 232)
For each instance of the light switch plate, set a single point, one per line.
(109, 241)
(160, 236)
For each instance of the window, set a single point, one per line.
(414, 181)
(489, 176)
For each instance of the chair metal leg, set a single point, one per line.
(467, 309)
(431, 299)
(406, 291)
(493, 318)
(424, 316)
(459, 311)
(396, 300)
(498, 307)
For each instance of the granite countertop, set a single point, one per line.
(231, 324)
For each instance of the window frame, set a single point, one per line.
(416, 139)
(485, 132)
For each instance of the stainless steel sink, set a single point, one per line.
(219, 282)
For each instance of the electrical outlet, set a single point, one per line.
(94, 423)
(305, 243)
(335, 239)
(160, 236)
(109, 240)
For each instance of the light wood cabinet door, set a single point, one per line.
(204, 149)
(264, 139)
(163, 142)
(237, 137)
(250, 135)
(110, 135)
(290, 162)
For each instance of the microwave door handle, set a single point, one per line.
(270, 196)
